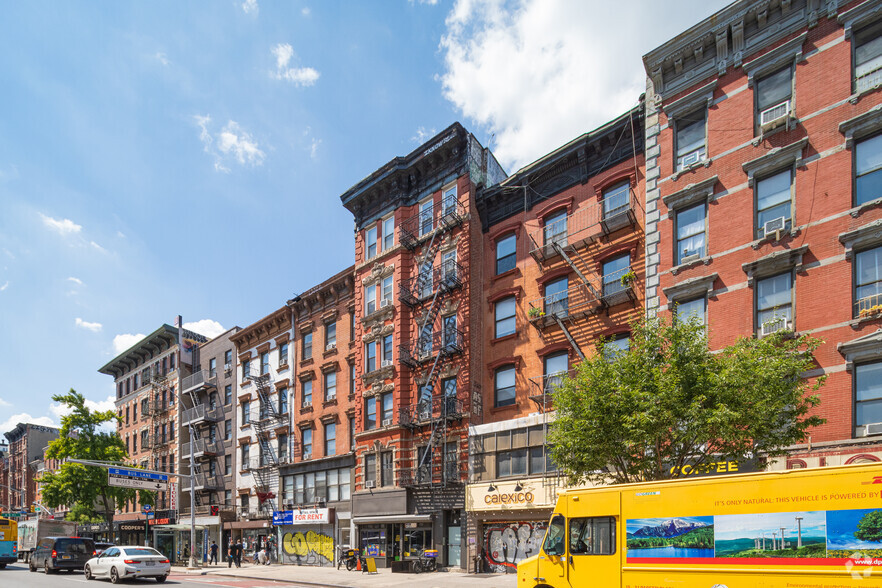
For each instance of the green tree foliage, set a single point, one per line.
(869, 528)
(667, 402)
(84, 488)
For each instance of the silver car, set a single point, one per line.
(121, 562)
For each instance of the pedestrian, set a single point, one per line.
(256, 553)
(261, 557)
(239, 550)
(213, 553)
(231, 553)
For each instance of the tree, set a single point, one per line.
(668, 401)
(869, 528)
(84, 488)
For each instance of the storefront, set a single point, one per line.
(395, 525)
(252, 533)
(507, 521)
(174, 541)
(306, 536)
(99, 532)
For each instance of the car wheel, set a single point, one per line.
(31, 567)
(87, 572)
(46, 569)
(161, 579)
(114, 576)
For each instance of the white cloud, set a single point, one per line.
(161, 58)
(429, 2)
(4, 286)
(94, 327)
(76, 281)
(207, 327)
(538, 73)
(24, 417)
(300, 76)
(63, 227)
(4, 403)
(250, 7)
(232, 143)
(97, 247)
(305, 11)
(422, 135)
(124, 341)
(59, 410)
(8, 253)
(313, 147)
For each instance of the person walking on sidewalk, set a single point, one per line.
(212, 553)
(231, 553)
(239, 550)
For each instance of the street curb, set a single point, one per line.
(304, 582)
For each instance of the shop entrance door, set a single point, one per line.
(453, 546)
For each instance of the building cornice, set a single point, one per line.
(267, 328)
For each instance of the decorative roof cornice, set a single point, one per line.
(157, 342)
(335, 290)
(265, 329)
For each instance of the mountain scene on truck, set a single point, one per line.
(675, 537)
(771, 535)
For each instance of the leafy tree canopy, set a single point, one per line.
(869, 528)
(84, 488)
(668, 401)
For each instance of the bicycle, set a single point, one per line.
(427, 561)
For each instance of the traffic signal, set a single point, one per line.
(214, 510)
(32, 508)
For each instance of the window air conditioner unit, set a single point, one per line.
(370, 484)
(774, 116)
(870, 429)
(331, 397)
(306, 456)
(387, 422)
(385, 302)
(386, 363)
(774, 326)
(689, 257)
(228, 373)
(330, 346)
(773, 226)
(690, 159)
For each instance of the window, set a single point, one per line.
(307, 346)
(774, 303)
(330, 336)
(330, 439)
(556, 228)
(868, 393)
(449, 333)
(504, 386)
(283, 400)
(691, 139)
(144, 440)
(619, 344)
(127, 415)
(171, 362)
(228, 359)
(556, 366)
(448, 201)
(593, 536)
(557, 297)
(135, 382)
(283, 354)
(370, 299)
(387, 472)
(427, 217)
(868, 279)
(330, 386)
(228, 465)
(615, 200)
(511, 463)
(246, 412)
(246, 369)
(306, 396)
(773, 94)
(144, 406)
(370, 413)
(212, 400)
(387, 291)
(246, 457)
(228, 430)
(868, 170)
(425, 283)
(448, 387)
(868, 57)
(307, 443)
(388, 233)
(613, 270)
(212, 367)
(505, 316)
(692, 308)
(134, 411)
(351, 379)
(506, 255)
(228, 394)
(554, 536)
(282, 445)
(386, 400)
(370, 468)
(449, 268)
(371, 242)
(690, 233)
(351, 433)
(370, 357)
(387, 350)
(773, 202)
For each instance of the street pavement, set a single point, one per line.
(333, 578)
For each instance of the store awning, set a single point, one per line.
(405, 518)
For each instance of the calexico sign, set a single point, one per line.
(509, 498)
(500, 496)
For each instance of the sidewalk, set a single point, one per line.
(334, 578)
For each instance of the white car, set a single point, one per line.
(121, 562)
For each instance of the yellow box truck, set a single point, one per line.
(819, 528)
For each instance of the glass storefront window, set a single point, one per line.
(373, 542)
(415, 540)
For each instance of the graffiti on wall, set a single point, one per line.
(308, 548)
(505, 544)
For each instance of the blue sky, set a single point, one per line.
(162, 158)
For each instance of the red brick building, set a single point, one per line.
(562, 266)
(417, 291)
(26, 445)
(763, 194)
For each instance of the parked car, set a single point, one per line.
(121, 562)
(100, 546)
(61, 553)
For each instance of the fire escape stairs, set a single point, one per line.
(266, 470)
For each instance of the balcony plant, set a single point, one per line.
(535, 313)
(874, 310)
(628, 278)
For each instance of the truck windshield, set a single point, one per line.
(554, 537)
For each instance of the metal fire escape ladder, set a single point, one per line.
(556, 246)
(266, 471)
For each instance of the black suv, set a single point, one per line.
(62, 553)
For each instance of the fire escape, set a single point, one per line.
(570, 238)
(265, 466)
(160, 434)
(428, 419)
(203, 416)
